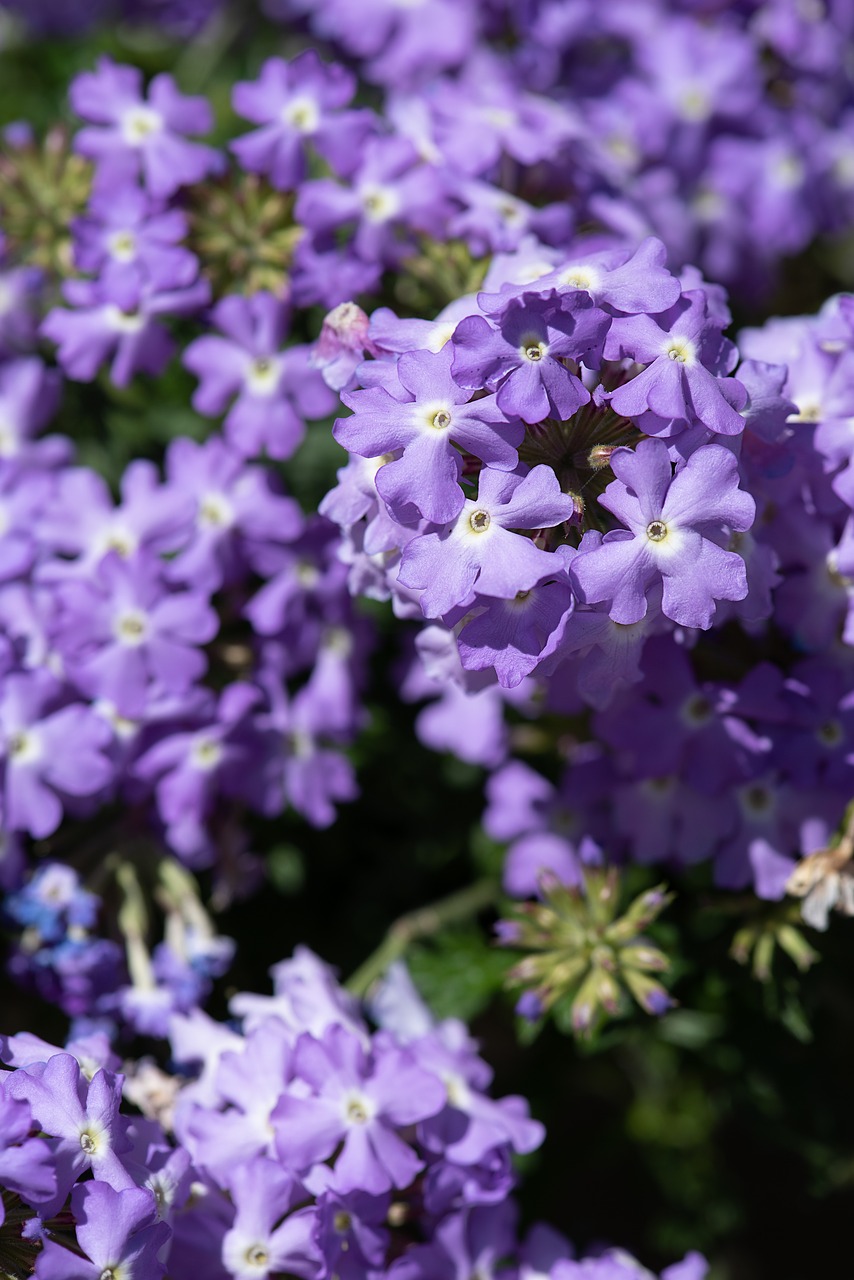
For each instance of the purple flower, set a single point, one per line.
(351, 1233)
(360, 1101)
(20, 297)
(523, 358)
(124, 632)
(479, 552)
(392, 192)
(467, 1243)
(342, 346)
(677, 385)
(424, 414)
(471, 1124)
(25, 495)
(50, 755)
(117, 320)
(126, 234)
(299, 768)
(275, 389)
(132, 134)
(508, 636)
(29, 394)
(80, 1121)
(26, 1165)
(615, 278)
(238, 517)
(401, 42)
(246, 1083)
(486, 102)
(266, 1237)
(674, 523)
(195, 768)
(117, 1231)
(297, 103)
(83, 521)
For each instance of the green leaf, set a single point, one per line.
(458, 972)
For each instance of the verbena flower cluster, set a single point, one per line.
(304, 1144)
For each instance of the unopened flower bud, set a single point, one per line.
(342, 345)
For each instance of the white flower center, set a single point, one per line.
(440, 335)
(358, 1109)
(338, 640)
(307, 574)
(116, 538)
(843, 168)
(93, 1141)
(206, 754)
(664, 539)
(809, 410)
(439, 418)
(696, 711)
(694, 105)
(532, 349)
(622, 149)
(301, 114)
(9, 442)
(122, 246)
(479, 521)
(519, 601)
(580, 276)
(139, 124)
(121, 726)
(788, 171)
(379, 203)
(124, 321)
(459, 1094)
(131, 627)
(262, 376)
(681, 349)
(215, 512)
(498, 117)
(708, 206)
(24, 747)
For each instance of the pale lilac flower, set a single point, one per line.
(132, 133)
(675, 525)
(424, 413)
(296, 104)
(118, 1232)
(480, 553)
(119, 321)
(272, 389)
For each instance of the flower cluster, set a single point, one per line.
(725, 130)
(539, 391)
(185, 652)
(306, 1144)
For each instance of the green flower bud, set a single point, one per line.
(580, 950)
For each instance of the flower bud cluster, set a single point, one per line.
(581, 957)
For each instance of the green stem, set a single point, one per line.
(423, 923)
